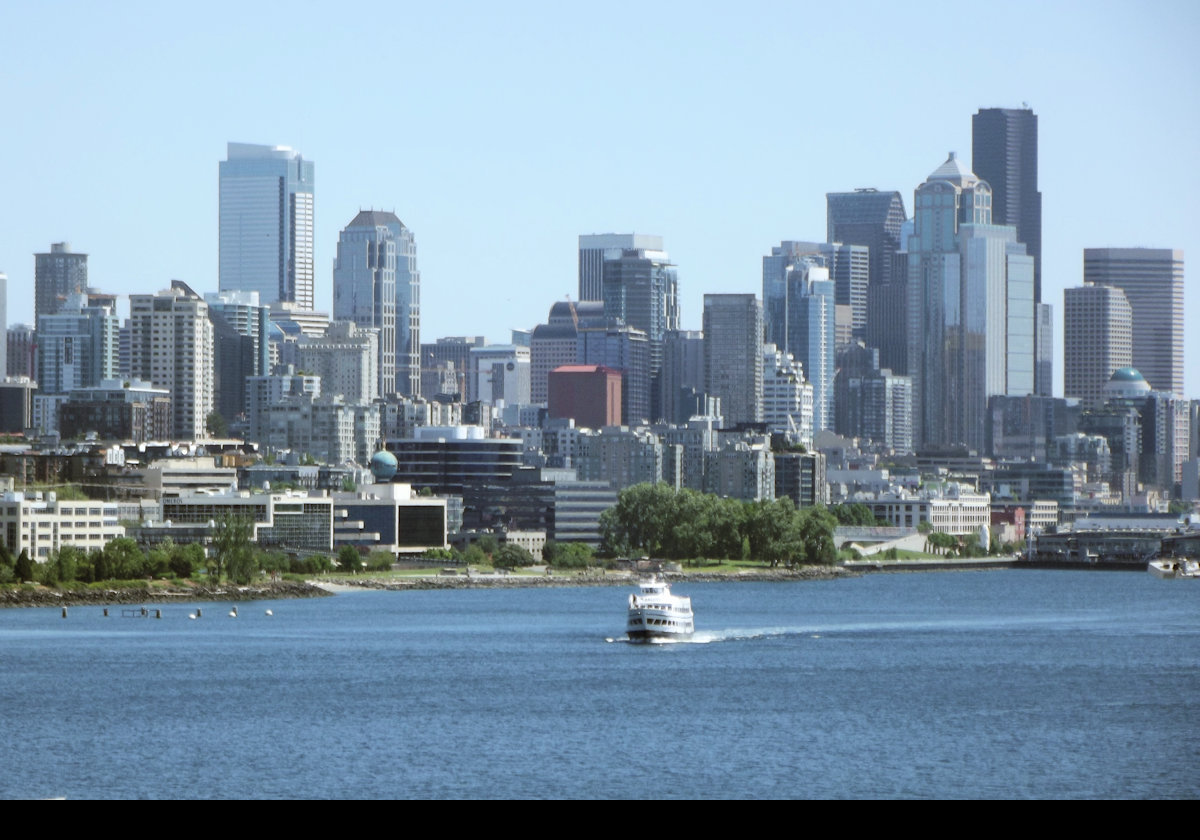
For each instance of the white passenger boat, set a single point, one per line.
(1174, 567)
(654, 613)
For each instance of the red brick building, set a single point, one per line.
(588, 394)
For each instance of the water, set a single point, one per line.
(995, 684)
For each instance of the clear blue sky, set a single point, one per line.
(499, 132)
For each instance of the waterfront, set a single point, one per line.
(976, 684)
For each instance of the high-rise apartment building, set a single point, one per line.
(787, 398)
(1097, 340)
(733, 361)
(171, 346)
(77, 346)
(1004, 152)
(56, 276)
(346, 359)
(595, 248)
(970, 309)
(1152, 280)
(266, 224)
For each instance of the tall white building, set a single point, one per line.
(266, 224)
(1097, 340)
(171, 346)
(787, 398)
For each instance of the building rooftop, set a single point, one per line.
(375, 218)
(953, 170)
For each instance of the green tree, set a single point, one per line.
(572, 556)
(233, 548)
(66, 563)
(488, 544)
(474, 556)
(349, 560)
(380, 561)
(123, 560)
(510, 556)
(816, 536)
(186, 559)
(24, 567)
(216, 425)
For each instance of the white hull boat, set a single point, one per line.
(1174, 567)
(654, 613)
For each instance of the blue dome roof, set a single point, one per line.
(1127, 374)
(383, 465)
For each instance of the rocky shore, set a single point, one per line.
(41, 596)
(562, 579)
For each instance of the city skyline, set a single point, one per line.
(718, 189)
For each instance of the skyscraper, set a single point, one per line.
(376, 284)
(733, 360)
(77, 346)
(56, 276)
(266, 225)
(871, 218)
(241, 347)
(595, 248)
(641, 289)
(970, 309)
(364, 283)
(1004, 152)
(849, 269)
(171, 345)
(1152, 280)
(1097, 340)
(799, 296)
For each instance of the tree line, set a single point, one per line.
(656, 520)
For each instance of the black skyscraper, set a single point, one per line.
(1004, 152)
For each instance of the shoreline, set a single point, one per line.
(46, 597)
(514, 581)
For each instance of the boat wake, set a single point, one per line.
(708, 637)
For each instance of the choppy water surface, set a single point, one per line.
(990, 684)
